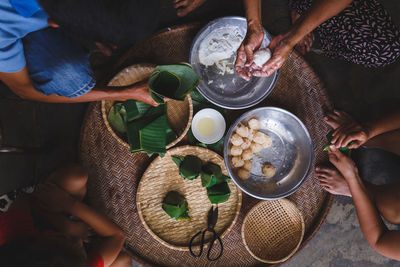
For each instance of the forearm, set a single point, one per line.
(319, 12)
(371, 223)
(253, 11)
(100, 223)
(389, 122)
(21, 85)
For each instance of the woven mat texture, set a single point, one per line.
(114, 172)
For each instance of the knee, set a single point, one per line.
(71, 176)
(77, 173)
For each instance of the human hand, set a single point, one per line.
(245, 54)
(141, 93)
(344, 164)
(346, 130)
(280, 49)
(52, 198)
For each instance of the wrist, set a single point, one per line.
(369, 130)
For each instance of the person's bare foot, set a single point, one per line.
(337, 118)
(332, 181)
(184, 7)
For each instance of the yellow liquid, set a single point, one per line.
(206, 126)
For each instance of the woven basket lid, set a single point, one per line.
(180, 113)
(162, 176)
(272, 231)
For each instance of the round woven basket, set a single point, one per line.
(114, 172)
(273, 230)
(162, 176)
(180, 113)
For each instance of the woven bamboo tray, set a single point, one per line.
(180, 113)
(272, 231)
(114, 173)
(162, 176)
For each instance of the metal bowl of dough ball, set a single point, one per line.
(212, 56)
(287, 156)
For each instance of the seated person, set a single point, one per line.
(371, 201)
(39, 230)
(359, 31)
(41, 60)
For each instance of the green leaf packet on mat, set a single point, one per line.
(146, 127)
(211, 176)
(172, 81)
(218, 193)
(176, 206)
(344, 149)
(189, 166)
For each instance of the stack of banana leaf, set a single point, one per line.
(147, 127)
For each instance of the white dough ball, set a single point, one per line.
(256, 148)
(262, 56)
(243, 174)
(247, 154)
(237, 162)
(251, 135)
(236, 140)
(242, 130)
(246, 143)
(268, 170)
(260, 138)
(267, 141)
(236, 151)
(248, 165)
(254, 124)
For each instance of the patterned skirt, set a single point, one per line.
(363, 33)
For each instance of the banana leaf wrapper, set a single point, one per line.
(172, 81)
(175, 205)
(344, 149)
(218, 193)
(189, 166)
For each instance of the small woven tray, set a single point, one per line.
(114, 173)
(272, 231)
(162, 176)
(180, 113)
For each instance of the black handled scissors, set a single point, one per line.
(211, 222)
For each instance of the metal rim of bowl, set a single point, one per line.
(302, 180)
(267, 92)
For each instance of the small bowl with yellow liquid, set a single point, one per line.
(208, 126)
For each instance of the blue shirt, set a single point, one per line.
(17, 19)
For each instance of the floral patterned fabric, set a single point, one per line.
(363, 33)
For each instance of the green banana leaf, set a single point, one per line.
(136, 109)
(218, 193)
(116, 119)
(178, 160)
(175, 206)
(151, 138)
(190, 167)
(172, 81)
(146, 127)
(344, 149)
(211, 174)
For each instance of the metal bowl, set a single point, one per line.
(291, 153)
(229, 90)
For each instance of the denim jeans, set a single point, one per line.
(57, 64)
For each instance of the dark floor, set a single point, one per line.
(54, 128)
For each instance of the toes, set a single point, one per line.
(180, 4)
